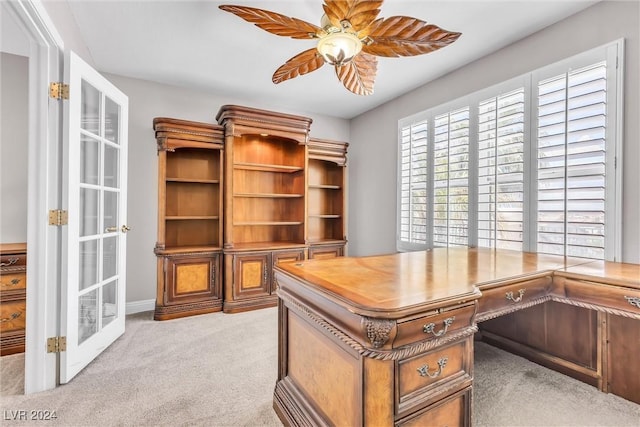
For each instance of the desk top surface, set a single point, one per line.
(401, 283)
(611, 273)
(12, 248)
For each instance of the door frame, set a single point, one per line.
(46, 50)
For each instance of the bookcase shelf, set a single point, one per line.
(269, 195)
(267, 167)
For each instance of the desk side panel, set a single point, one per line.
(335, 392)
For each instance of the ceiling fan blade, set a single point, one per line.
(274, 23)
(359, 75)
(303, 63)
(406, 36)
(360, 13)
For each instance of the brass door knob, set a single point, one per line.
(125, 228)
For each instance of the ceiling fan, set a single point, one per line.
(350, 37)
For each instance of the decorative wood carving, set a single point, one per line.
(378, 330)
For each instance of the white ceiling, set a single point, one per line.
(196, 45)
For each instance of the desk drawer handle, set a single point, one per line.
(10, 262)
(509, 296)
(424, 369)
(635, 301)
(430, 327)
(12, 316)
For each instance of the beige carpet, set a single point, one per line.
(220, 370)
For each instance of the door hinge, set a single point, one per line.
(58, 90)
(58, 217)
(56, 344)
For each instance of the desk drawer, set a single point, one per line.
(12, 316)
(455, 410)
(609, 296)
(509, 297)
(13, 260)
(13, 281)
(425, 378)
(434, 326)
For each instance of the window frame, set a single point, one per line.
(613, 53)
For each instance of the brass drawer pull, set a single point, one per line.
(509, 296)
(635, 301)
(12, 316)
(430, 327)
(424, 369)
(10, 262)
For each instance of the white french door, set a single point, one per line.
(93, 285)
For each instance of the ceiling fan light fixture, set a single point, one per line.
(338, 48)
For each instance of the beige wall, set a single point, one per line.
(373, 150)
(14, 74)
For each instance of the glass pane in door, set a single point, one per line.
(89, 160)
(89, 201)
(90, 108)
(87, 315)
(112, 120)
(111, 172)
(109, 302)
(110, 214)
(110, 257)
(88, 263)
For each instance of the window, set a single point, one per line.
(525, 165)
(571, 148)
(501, 171)
(413, 184)
(451, 178)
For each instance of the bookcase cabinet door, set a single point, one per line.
(251, 275)
(192, 278)
(323, 252)
(291, 255)
(192, 285)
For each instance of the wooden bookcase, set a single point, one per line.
(237, 198)
(190, 188)
(265, 201)
(327, 179)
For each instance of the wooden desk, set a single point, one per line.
(388, 340)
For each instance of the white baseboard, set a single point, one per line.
(140, 306)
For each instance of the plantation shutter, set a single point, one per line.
(451, 179)
(413, 185)
(501, 171)
(571, 151)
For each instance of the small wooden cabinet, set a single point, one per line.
(189, 247)
(13, 294)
